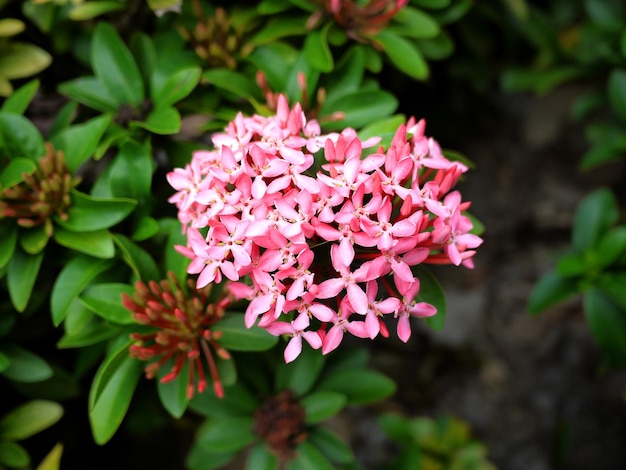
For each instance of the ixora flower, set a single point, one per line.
(318, 237)
(182, 331)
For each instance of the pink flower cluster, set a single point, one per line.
(318, 237)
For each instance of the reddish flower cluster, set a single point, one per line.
(182, 334)
(328, 251)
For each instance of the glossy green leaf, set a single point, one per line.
(226, 434)
(551, 289)
(572, 265)
(607, 323)
(617, 92)
(106, 301)
(4, 362)
(603, 153)
(91, 92)
(131, 171)
(293, 88)
(432, 4)
(34, 240)
(28, 419)
(301, 374)
(359, 386)
(260, 458)
(348, 74)
(11, 27)
(13, 455)
(237, 401)
(111, 391)
(236, 337)
(347, 359)
(145, 228)
(237, 83)
(13, 173)
(596, 213)
(73, 278)
(331, 445)
(22, 273)
(89, 213)
(360, 108)
(275, 60)
(416, 23)
(168, 89)
(308, 457)
(539, 81)
(174, 261)
(162, 121)
(24, 366)
(320, 406)
(280, 27)
(52, 461)
(91, 334)
(432, 292)
(79, 142)
(20, 138)
(455, 12)
(115, 66)
(173, 394)
(404, 54)
(139, 260)
(19, 100)
(89, 10)
(21, 60)
(316, 49)
(200, 458)
(96, 243)
(396, 427)
(437, 48)
(612, 246)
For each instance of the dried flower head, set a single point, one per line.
(41, 195)
(182, 320)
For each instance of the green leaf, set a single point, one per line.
(320, 406)
(437, 48)
(29, 419)
(347, 75)
(52, 461)
(131, 171)
(260, 458)
(308, 457)
(539, 81)
(603, 153)
(384, 128)
(13, 455)
(13, 173)
(200, 458)
(91, 92)
(432, 4)
(237, 401)
(114, 65)
(21, 60)
(96, 243)
(416, 23)
(169, 88)
(34, 240)
(316, 49)
(236, 337)
(226, 434)
(73, 278)
(139, 260)
(612, 284)
(331, 445)
(275, 60)
(88, 213)
(162, 121)
(18, 102)
(611, 246)
(79, 142)
(596, 213)
(280, 27)
(8, 242)
(360, 386)
(106, 301)
(24, 366)
(360, 108)
(145, 228)
(21, 276)
(405, 55)
(111, 393)
(396, 427)
(551, 289)
(10, 26)
(20, 138)
(293, 88)
(89, 10)
(616, 89)
(173, 394)
(174, 261)
(607, 323)
(4, 362)
(431, 292)
(92, 334)
(237, 83)
(300, 375)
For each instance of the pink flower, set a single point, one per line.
(296, 330)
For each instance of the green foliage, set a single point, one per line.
(441, 443)
(594, 266)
